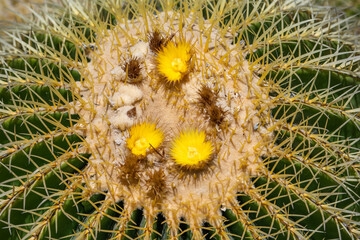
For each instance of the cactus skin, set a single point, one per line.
(307, 60)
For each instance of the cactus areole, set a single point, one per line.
(180, 120)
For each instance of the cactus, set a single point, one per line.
(180, 120)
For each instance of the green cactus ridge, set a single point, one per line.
(176, 119)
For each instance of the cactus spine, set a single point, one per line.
(180, 119)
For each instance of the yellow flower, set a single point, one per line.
(190, 149)
(144, 137)
(173, 61)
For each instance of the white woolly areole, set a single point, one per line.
(126, 95)
(121, 120)
(118, 74)
(139, 50)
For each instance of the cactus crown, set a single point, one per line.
(180, 119)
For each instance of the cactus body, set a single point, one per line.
(180, 120)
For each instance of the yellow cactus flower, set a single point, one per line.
(144, 137)
(173, 61)
(190, 149)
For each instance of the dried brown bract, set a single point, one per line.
(129, 171)
(207, 100)
(216, 114)
(156, 41)
(156, 184)
(133, 68)
(207, 96)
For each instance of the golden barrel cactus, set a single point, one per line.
(180, 119)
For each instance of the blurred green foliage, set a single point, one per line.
(349, 7)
